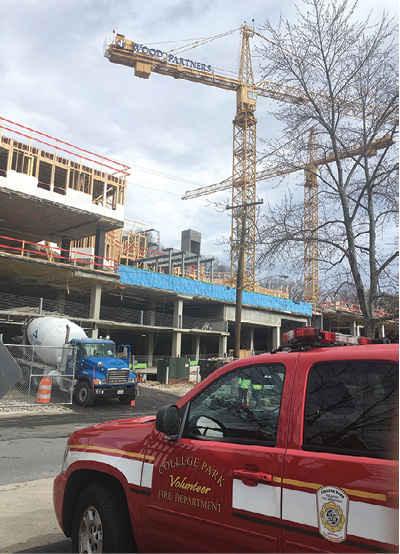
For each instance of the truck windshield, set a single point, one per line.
(98, 349)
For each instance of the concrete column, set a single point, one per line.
(178, 313)
(222, 346)
(276, 337)
(170, 271)
(318, 321)
(176, 344)
(250, 339)
(99, 248)
(65, 248)
(353, 328)
(196, 347)
(94, 310)
(176, 336)
(60, 301)
(151, 312)
(149, 345)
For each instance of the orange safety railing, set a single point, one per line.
(24, 248)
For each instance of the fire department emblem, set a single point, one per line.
(333, 507)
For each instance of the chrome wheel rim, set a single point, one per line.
(90, 532)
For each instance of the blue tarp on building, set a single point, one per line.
(162, 281)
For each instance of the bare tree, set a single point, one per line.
(348, 72)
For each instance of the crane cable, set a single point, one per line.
(200, 42)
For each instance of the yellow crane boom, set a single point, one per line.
(311, 281)
(270, 173)
(145, 60)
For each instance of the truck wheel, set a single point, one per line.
(126, 399)
(101, 522)
(23, 383)
(84, 394)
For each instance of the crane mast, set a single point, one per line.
(311, 281)
(244, 169)
(146, 60)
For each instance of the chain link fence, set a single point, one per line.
(46, 375)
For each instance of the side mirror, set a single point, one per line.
(167, 421)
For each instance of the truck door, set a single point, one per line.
(340, 481)
(218, 488)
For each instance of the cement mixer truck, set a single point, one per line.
(95, 368)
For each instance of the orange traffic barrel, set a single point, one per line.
(44, 391)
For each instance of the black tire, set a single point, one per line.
(126, 399)
(84, 394)
(101, 521)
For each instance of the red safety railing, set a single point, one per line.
(341, 306)
(55, 254)
(60, 145)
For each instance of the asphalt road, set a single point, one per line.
(31, 452)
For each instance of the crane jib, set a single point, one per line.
(170, 58)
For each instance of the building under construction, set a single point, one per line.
(67, 249)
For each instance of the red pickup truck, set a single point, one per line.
(292, 451)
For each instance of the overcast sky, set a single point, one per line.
(55, 79)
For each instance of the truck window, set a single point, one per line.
(352, 408)
(98, 349)
(242, 407)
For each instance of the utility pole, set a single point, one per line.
(240, 274)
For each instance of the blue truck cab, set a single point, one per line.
(102, 371)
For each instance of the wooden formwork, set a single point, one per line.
(123, 245)
(59, 166)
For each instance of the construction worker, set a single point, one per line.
(244, 385)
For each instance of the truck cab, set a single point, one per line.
(291, 451)
(102, 372)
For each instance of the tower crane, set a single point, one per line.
(311, 282)
(146, 60)
(311, 279)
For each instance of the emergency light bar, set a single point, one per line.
(307, 335)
